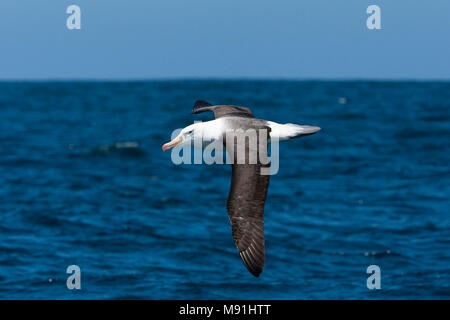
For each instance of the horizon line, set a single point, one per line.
(167, 79)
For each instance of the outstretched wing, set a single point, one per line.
(222, 110)
(245, 207)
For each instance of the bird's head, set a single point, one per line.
(196, 131)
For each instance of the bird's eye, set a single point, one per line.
(190, 131)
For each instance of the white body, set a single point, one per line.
(215, 129)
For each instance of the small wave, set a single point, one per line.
(125, 148)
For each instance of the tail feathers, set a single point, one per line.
(290, 131)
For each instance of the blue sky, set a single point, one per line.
(145, 39)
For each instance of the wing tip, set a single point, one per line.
(256, 273)
(253, 266)
(200, 104)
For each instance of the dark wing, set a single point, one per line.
(245, 207)
(222, 110)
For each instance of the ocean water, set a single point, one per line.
(83, 181)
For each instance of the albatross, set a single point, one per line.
(248, 189)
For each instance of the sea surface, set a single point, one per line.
(83, 181)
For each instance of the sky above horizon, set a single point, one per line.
(147, 39)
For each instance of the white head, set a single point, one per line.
(197, 132)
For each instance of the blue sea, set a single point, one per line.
(83, 181)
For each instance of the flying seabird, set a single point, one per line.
(248, 189)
